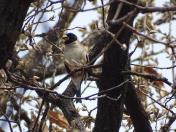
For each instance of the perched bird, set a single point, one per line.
(76, 56)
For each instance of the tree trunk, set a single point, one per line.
(109, 113)
(12, 14)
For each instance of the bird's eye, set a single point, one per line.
(65, 37)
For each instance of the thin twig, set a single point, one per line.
(145, 36)
(159, 104)
(156, 67)
(152, 77)
(149, 9)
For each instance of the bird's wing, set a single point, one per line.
(77, 77)
(85, 57)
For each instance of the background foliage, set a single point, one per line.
(32, 96)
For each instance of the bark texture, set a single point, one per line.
(136, 111)
(109, 112)
(12, 14)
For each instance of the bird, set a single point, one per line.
(75, 56)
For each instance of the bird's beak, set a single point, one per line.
(65, 37)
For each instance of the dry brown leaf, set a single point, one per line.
(150, 70)
(59, 119)
(159, 84)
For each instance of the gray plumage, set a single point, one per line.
(75, 55)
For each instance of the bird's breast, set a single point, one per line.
(75, 53)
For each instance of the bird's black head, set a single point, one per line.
(70, 38)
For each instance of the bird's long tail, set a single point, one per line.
(77, 80)
(77, 83)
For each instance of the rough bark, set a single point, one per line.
(109, 112)
(136, 111)
(12, 14)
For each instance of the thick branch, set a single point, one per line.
(136, 111)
